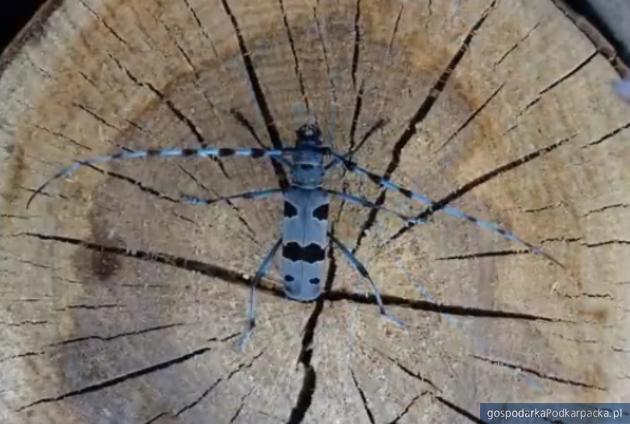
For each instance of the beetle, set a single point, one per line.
(305, 229)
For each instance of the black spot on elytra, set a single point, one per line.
(288, 278)
(289, 210)
(321, 212)
(118, 155)
(311, 253)
(314, 281)
(153, 152)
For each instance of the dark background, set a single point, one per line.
(16, 13)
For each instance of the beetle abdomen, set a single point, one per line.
(304, 242)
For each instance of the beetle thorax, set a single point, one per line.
(307, 169)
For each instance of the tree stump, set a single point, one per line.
(121, 305)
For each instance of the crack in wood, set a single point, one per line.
(20, 217)
(234, 277)
(203, 29)
(583, 243)
(538, 374)
(95, 116)
(407, 408)
(588, 295)
(89, 80)
(423, 305)
(296, 63)
(580, 341)
(557, 82)
(607, 136)
(21, 355)
(63, 137)
(378, 125)
(90, 307)
(562, 239)
(409, 372)
(470, 118)
(364, 400)
(156, 417)
(100, 338)
(138, 184)
(605, 208)
(419, 116)
(606, 243)
(515, 46)
(488, 176)
(358, 102)
(32, 263)
(181, 116)
(184, 218)
(119, 379)
(117, 335)
(24, 322)
(105, 24)
(138, 127)
(207, 269)
(238, 411)
(492, 254)
(259, 95)
(544, 208)
(320, 35)
(206, 392)
(261, 100)
(193, 67)
(357, 43)
(390, 45)
(461, 411)
(127, 376)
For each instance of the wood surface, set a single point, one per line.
(121, 305)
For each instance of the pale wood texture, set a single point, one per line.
(120, 305)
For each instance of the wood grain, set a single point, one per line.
(120, 304)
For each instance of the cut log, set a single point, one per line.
(120, 304)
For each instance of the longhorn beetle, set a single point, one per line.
(305, 236)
